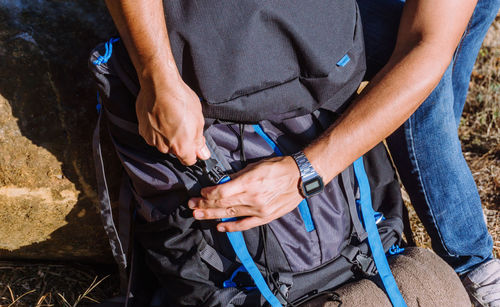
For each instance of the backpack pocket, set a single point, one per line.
(253, 60)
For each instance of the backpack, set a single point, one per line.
(314, 248)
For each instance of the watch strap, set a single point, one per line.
(306, 169)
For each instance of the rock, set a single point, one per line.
(47, 115)
(423, 278)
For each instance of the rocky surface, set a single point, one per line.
(47, 115)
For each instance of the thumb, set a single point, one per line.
(203, 152)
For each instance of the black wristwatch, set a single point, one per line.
(311, 182)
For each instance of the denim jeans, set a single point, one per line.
(426, 148)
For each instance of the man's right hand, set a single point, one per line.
(168, 111)
(170, 119)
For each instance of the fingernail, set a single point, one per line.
(221, 228)
(191, 204)
(205, 153)
(199, 214)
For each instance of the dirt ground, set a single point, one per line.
(63, 284)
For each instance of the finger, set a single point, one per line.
(242, 224)
(186, 156)
(224, 190)
(202, 203)
(220, 213)
(161, 144)
(203, 152)
(147, 136)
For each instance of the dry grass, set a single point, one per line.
(44, 284)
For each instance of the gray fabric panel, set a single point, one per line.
(232, 297)
(329, 209)
(215, 259)
(126, 207)
(158, 185)
(120, 123)
(349, 192)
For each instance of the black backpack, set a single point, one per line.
(272, 78)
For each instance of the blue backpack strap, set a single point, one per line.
(240, 248)
(374, 241)
(304, 205)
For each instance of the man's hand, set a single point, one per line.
(168, 111)
(170, 118)
(261, 192)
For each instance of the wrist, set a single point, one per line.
(158, 72)
(311, 183)
(312, 156)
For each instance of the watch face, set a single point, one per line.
(312, 187)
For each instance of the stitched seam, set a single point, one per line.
(413, 155)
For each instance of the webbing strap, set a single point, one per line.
(238, 242)
(304, 205)
(351, 202)
(105, 203)
(374, 241)
(240, 248)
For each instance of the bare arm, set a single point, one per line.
(428, 35)
(168, 111)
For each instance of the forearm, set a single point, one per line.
(389, 99)
(143, 29)
(168, 110)
(425, 46)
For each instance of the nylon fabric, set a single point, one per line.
(349, 192)
(170, 238)
(105, 209)
(104, 201)
(239, 246)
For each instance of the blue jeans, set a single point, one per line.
(426, 149)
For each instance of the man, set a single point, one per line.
(415, 77)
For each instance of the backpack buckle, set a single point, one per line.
(214, 171)
(285, 283)
(362, 262)
(365, 264)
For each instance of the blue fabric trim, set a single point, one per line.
(268, 140)
(304, 210)
(343, 61)
(107, 53)
(374, 241)
(306, 215)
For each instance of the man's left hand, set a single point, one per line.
(261, 193)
